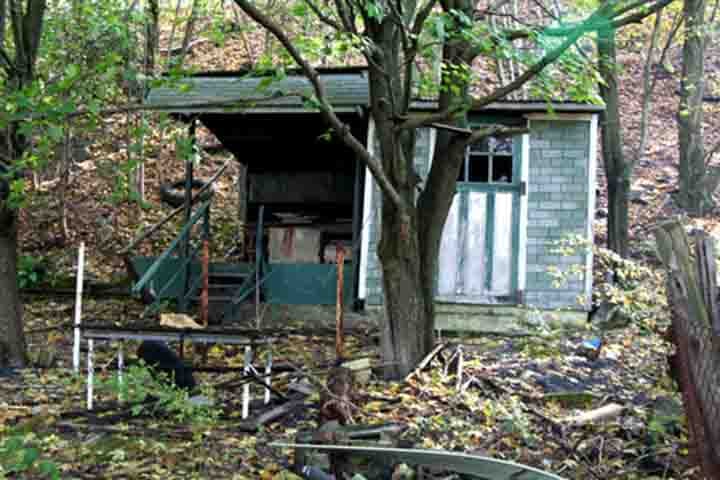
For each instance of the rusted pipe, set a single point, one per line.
(339, 312)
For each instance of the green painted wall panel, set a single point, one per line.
(306, 284)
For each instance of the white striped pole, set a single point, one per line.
(78, 306)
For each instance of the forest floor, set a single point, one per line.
(520, 397)
(518, 408)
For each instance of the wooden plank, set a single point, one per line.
(687, 270)
(489, 240)
(707, 271)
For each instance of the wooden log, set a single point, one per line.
(272, 415)
(603, 413)
(428, 358)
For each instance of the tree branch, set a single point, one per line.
(6, 62)
(347, 16)
(640, 16)
(494, 130)
(323, 18)
(591, 23)
(413, 121)
(648, 86)
(342, 130)
(422, 15)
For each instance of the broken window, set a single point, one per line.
(488, 161)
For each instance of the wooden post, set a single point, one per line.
(691, 294)
(246, 387)
(78, 306)
(339, 312)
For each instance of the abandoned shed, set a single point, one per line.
(516, 198)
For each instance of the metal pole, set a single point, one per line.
(268, 374)
(183, 301)
(339, 313)
(121, 366)
(246, 387)
(90, 374)
(78, 306)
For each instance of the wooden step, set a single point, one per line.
(230, 275)
(214, 298)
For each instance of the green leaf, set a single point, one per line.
(30, 455)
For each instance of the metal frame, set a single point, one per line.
(249, 370)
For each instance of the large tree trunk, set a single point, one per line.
(690, 116)
(408, 328)
(11, 330)
(617, 170)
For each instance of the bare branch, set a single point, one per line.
(648, 87)
(341, 129)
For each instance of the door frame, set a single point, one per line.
(517, 187)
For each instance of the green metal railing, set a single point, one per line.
(257, 274)
(181, 247)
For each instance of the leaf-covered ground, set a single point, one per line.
(521, 391)
(517, 398)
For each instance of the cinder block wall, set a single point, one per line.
(557, 207)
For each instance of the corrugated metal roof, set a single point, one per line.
(218, 94)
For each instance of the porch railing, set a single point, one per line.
(181, 247)
(257, 275)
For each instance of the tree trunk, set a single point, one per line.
(11, 330)
(617, 170)
(690, 116)
(407, 333)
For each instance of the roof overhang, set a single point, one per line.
(347, 91)
(519, 107)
